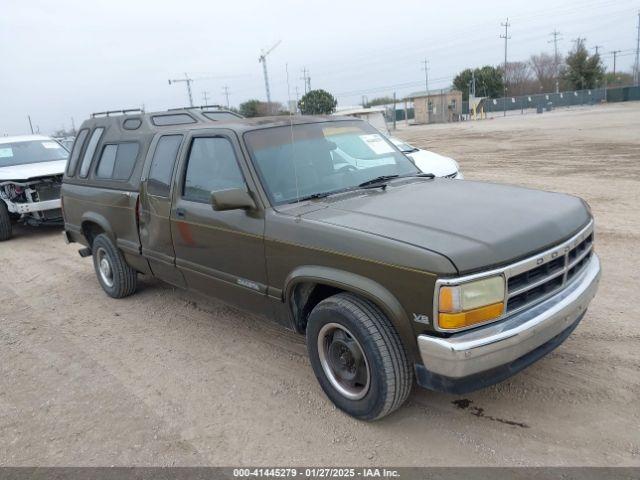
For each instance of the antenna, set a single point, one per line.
(293, 159)
(188, 81)
(263, 59)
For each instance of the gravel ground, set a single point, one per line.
(169, 378)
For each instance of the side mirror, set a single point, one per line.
(232, 199)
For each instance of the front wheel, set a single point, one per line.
(358, 357)
(115, 275)
(5, 222)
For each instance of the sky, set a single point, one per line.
(64, 60)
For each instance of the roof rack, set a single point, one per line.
(200, 107)
(119, 112)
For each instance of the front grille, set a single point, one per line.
(535, 279)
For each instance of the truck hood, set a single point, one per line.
(32, 170)
(476, 225)
(431, 162)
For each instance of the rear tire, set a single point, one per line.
(338, 327)
(116, 277)
(6, 228)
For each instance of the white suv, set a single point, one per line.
(31, 168)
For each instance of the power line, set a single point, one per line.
(506, 37)
(205, 97)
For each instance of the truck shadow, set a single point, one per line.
(25, 231)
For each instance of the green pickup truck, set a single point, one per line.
(393, 275)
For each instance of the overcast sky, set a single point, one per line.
(67, 59)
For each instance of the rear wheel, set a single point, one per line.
(116, 277)
(358, 357)
(5, 222)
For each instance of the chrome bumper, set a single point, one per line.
(494, 345)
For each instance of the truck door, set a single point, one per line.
(155, 208)
(221, 253)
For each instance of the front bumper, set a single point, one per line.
(30, 207)
(478, 358)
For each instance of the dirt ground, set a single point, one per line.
(166, 377)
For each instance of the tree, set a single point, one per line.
(256, 108)
(519, 78)
(545, 70)
(621, 79)
(317, 102)
(380, 101)
(489, 82)
(249, 108)
(583, 70)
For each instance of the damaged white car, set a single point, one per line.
(31, 168)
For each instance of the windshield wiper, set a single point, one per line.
(422, 175)
(312, 196)
(377, 182)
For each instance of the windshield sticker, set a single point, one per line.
(376, 143)
(6, 152)
(51, 145)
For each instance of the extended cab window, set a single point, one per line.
(212, 167)
(117, 161)
(91, 149)
(75, 152)
(162, 163)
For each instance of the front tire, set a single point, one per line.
(358, 357)
(6, 228)
(116, 277)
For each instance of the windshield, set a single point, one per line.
(402, 146)
(34, 151)
(302, 160)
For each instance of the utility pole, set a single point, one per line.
(30, 124)
(225, 90)
(263, 59)
(425, 67)
(615, 55)
(205, 97)
(306, 80)
(636, 70)
(597, 49)
(394, 110)
(506, 37)
(556, 57)
(188, 81)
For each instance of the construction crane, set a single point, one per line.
(188, 81)
(263, 59)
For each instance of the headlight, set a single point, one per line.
(464, 305)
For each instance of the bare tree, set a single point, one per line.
(545, 70)
(520, 80)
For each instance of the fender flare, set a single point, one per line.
(98, 220)
(360, 285)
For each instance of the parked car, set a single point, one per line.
(429, 162)
(66, 142)
(31, 168)
(393, 275)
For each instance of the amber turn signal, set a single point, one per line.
(452, 321)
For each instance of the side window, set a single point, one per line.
(91, 149)
(162, 163)
(75, 153)
(212, 166)
(117, 161)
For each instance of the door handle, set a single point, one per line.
(180, 212)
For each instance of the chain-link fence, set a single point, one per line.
(549, 101)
